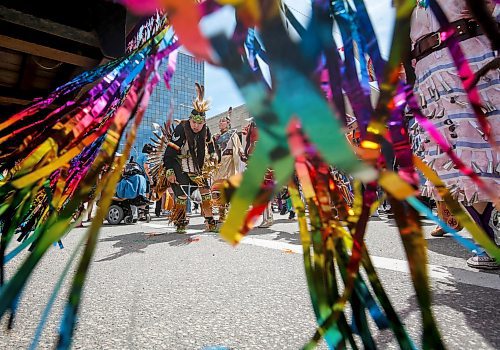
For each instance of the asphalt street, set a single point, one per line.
(151, 288)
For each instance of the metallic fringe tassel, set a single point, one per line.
(178, 215)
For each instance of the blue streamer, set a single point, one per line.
(366, 29)
(422, 208)
(52, 299)
(14, 252)
(357, 93)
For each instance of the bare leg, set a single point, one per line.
(480, 206)
(267, 216)
(445, 215)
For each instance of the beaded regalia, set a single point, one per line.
(187, 159)
(230, 154)
(160, 139)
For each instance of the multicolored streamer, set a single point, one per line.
(54, 158)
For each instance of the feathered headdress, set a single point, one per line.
(228, 115)
(200, 105)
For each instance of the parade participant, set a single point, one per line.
(186, 153)
(267, 215)
(285, 203)
(251, 135)
(230, 153)
(445, 103)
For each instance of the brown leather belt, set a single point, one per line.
(464, 29)
(228, 152)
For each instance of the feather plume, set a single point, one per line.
(200, 104)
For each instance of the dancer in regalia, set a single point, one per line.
(445, 103)
(231, 157)
(187, 155)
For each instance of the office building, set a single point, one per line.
(238, 119)
(178, 100)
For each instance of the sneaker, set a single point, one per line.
(292, 215)
(482, 261)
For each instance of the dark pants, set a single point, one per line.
(185, 187)
(158, 207)
(483, 219)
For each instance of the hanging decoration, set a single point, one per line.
(54, 157)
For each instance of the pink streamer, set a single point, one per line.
(463, 68)
(445, 146)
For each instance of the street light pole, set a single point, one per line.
(136, 153)
(185, 106)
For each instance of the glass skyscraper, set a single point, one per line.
(177, 100)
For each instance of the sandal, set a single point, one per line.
(438, 232)
(266, 224)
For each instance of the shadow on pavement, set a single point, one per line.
(138, 241)
(423, 221)
(107, 224)
(292, 238)
(279, 221)
(197, 227)
(477, 305)
(448, 246)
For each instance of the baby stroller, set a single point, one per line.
(130, 203)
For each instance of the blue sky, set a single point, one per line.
(223, 93)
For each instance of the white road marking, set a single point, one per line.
(157, 225)
(450, 274)
(439, 272)
(273, 244)
(170, 228)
